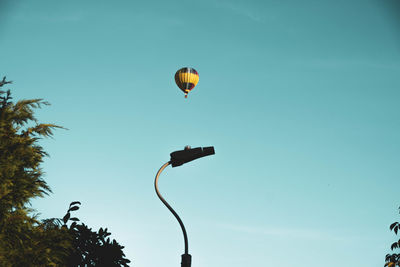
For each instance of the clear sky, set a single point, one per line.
(299, 98)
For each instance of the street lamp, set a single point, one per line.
(179, 158)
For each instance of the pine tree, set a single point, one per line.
(25, 241)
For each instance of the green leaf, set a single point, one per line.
(66, 217)
(74, 203)
(73, 208)
(73, 225)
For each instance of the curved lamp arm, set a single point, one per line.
(169, 207)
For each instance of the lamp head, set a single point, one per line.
(181, 157)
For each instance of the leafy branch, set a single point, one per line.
(3, 82)
(91, 248)
(393, 260)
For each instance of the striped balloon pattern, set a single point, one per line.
(186, 79)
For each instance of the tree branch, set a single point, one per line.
(3, 82)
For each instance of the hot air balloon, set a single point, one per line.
(186, 79)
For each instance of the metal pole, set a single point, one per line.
(173, 212)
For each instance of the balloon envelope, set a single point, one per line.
(186, 79)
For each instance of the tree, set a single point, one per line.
(91, 248)
(24, 240)
(392, 260)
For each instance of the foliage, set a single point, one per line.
(92, 248)
(24, 240)
(393, 260)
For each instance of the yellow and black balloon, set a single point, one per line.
(186, 79)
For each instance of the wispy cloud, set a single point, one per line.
(23, 12)
(241, 10)
(63, 18)
(49, 18)
(341, 63)
(285, 232)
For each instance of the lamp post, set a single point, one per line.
(179, 158)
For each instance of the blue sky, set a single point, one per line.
(299, 98)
